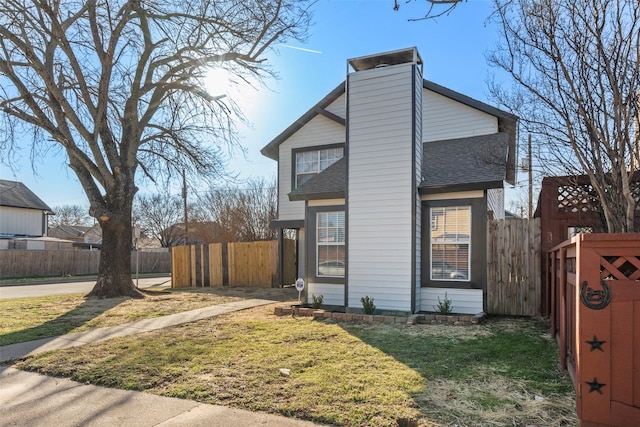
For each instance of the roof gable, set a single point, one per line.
(271, 149)
(15, 194)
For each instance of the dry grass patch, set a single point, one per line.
(339, 373)
(26, 319)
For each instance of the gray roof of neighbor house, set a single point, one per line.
(271, 149)
(15, 194)
(450, 165)
(64, 231)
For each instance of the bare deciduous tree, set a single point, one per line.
(435, 9)
(70, 215)
(118, 86)
(576, 67)
(242, 214)
(158, 215)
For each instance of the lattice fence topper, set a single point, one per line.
(620, 268)
(577, 198)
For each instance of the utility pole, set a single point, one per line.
(184, 200)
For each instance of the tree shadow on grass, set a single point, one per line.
(86, 311)
(477, 373)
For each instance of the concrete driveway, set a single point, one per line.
(55, 287)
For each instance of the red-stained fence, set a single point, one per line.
(595, 316)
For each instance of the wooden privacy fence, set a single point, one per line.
(43, 263)
(513, 267)
(595, 316)
(253, 264)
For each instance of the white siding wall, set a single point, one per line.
(495, 202)
(380, 187)
(18, 221)
(332, 294)
(464, 301)
(338, 107)
(319, 131)
(445, 118)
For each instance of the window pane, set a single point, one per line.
(450, 262)
(331, 261)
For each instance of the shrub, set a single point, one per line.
(444, 307)
(368, 305)
(316, 301)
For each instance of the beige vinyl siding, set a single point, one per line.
(327, 202)
(444, 118)
(319, 131)
(380, 187)
(464, 301)
(338, 107)
(332, 294)
(475, 194)
(495, 202)
(20, 221)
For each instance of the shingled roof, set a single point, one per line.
(472, 163)
(328, 184)
(477, 162)
(15, 194)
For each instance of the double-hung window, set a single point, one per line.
(451, 243)
(312, 162)
(330, 251)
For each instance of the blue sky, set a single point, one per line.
(452, 47)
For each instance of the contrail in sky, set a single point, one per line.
(300, 48)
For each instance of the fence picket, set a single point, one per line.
(17, 263)
(252, 264)
(513, 267)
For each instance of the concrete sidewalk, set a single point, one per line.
(17, 351)
(30, 399)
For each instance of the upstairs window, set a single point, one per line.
(312, 162)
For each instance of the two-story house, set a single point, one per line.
(389, 181)
(22, 213)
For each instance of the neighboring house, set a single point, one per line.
(389, 181)
(74, 233)
(200, 233)
(22, 213)
(83, 237)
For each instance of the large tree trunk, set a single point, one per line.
(114, 272)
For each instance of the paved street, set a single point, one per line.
(9, 290)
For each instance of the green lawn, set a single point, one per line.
(340, 373)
